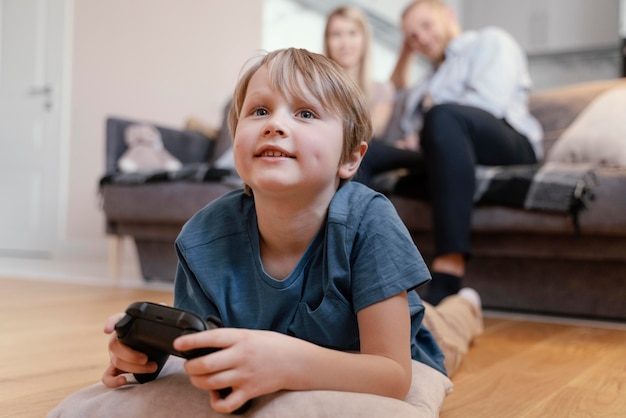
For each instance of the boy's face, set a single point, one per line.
(287, 143)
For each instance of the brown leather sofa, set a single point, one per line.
(529, 261)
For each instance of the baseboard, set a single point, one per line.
(94, 250)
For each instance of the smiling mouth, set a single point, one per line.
(271, 153)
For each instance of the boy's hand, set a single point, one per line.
(123, 359)
(251, 362)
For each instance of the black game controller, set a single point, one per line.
(152, 328)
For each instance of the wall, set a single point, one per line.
(567, 41)
(156, 60)
(543, 26)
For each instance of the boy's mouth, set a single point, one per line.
(274, 153)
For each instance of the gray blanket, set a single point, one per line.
(197, 172)
(551, 187)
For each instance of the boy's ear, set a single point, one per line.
(348, 168)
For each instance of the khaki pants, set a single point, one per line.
(454, 323)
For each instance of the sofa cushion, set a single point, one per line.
(597, 135)
(172, 395)
(603, 217)
(159, 202)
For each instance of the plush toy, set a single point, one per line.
(145, 151)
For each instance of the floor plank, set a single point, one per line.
(527, 369)
(52, 342)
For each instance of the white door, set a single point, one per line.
(31, 65)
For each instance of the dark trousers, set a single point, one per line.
(454, 139)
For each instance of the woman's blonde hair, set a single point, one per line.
(357, 16)
(328, 83)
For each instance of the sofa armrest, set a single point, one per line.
(187, 146)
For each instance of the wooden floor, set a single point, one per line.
(51, 344)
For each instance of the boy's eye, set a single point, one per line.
(306, 114)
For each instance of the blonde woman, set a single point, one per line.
(348, 42)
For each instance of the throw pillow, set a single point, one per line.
(195, 124)
(145, 151)
(172, 395)
(597, 135)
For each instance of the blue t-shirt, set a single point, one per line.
(362, 255)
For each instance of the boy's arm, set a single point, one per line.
(383, 366)
(256, 362)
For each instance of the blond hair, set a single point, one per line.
(410, 6)
(328, 83)
(357, 16)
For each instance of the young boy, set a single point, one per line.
(312, 275)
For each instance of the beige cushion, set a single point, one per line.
(597, 135)
(172, 395)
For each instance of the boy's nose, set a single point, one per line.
(277, 131)
(275, 126)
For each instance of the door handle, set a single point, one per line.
(45, 90)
